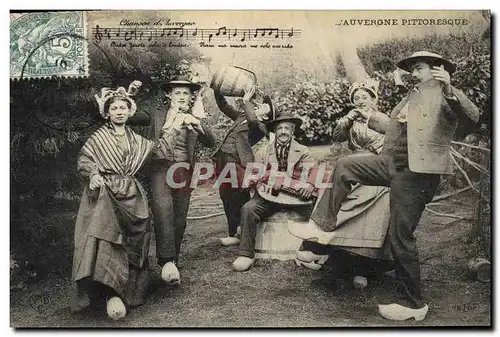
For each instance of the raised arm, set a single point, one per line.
(462, 106)
(379, 121)
(225, 107)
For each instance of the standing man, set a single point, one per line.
(418, 136)
(176, 130)
(284, 154)
(236, 148)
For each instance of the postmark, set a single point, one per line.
(46, 44)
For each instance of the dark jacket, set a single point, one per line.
(245, 132)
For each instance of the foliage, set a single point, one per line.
(320, 104)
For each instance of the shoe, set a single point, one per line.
(170, 274)
(242, 263)
(397, 312)
(230, 241)
(309, 265)
(359, 282)
(308, 256)
(116, 309)
(310, 231)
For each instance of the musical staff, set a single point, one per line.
(203, 34)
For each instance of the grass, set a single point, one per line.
(275, 293)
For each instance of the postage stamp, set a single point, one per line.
(45, 44)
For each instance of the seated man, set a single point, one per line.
(284, 157)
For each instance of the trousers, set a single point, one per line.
(410, 192)
(233, 198)
(170, 205)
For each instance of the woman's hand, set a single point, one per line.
(96, 181)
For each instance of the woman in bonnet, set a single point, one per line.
(113, 226)
(366, 209)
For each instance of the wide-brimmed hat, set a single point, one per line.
(426, 56)
(279, 117)
(181, 81)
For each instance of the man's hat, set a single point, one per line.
(279, 117)
(426, 56)
(181, 81)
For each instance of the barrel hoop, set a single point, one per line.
(221, 74)
(235, 82)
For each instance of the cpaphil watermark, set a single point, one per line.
(254, 172)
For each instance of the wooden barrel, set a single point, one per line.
(274, 241)
(231, 80)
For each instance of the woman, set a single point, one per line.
(365, 203)
(113, 226)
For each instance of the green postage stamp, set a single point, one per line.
(46, 44)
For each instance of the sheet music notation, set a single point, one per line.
(202, 34)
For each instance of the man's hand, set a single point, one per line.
(194, 122)
(442, 76)
(96, 181)
(249, 92)
(305, 192)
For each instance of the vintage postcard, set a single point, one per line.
(250, 169)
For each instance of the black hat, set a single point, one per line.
(282, 117)
(181, 81)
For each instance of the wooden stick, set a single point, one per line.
(471, 146)
(204, 216)
(447, 195)
(465, 174)
(446, 215)
(469, 161)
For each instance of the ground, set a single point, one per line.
(279, 293)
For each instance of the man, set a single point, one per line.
(285, 156)
(236, 149)
(176, 131)
(418, 135)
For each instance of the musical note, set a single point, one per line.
(235, 33)
(118, 32)
(195, 33)
(244, 35)
(291, 33)
(150, 37)
(220, 29)
(97, 35)
(129, 34)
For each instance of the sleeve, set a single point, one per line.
(378, 121)
(250, 114)
(207, 138)
(225, 107)
(341, 129)
(86, 166)
(462, 106)
(311, 163)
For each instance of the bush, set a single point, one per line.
(320, 104)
